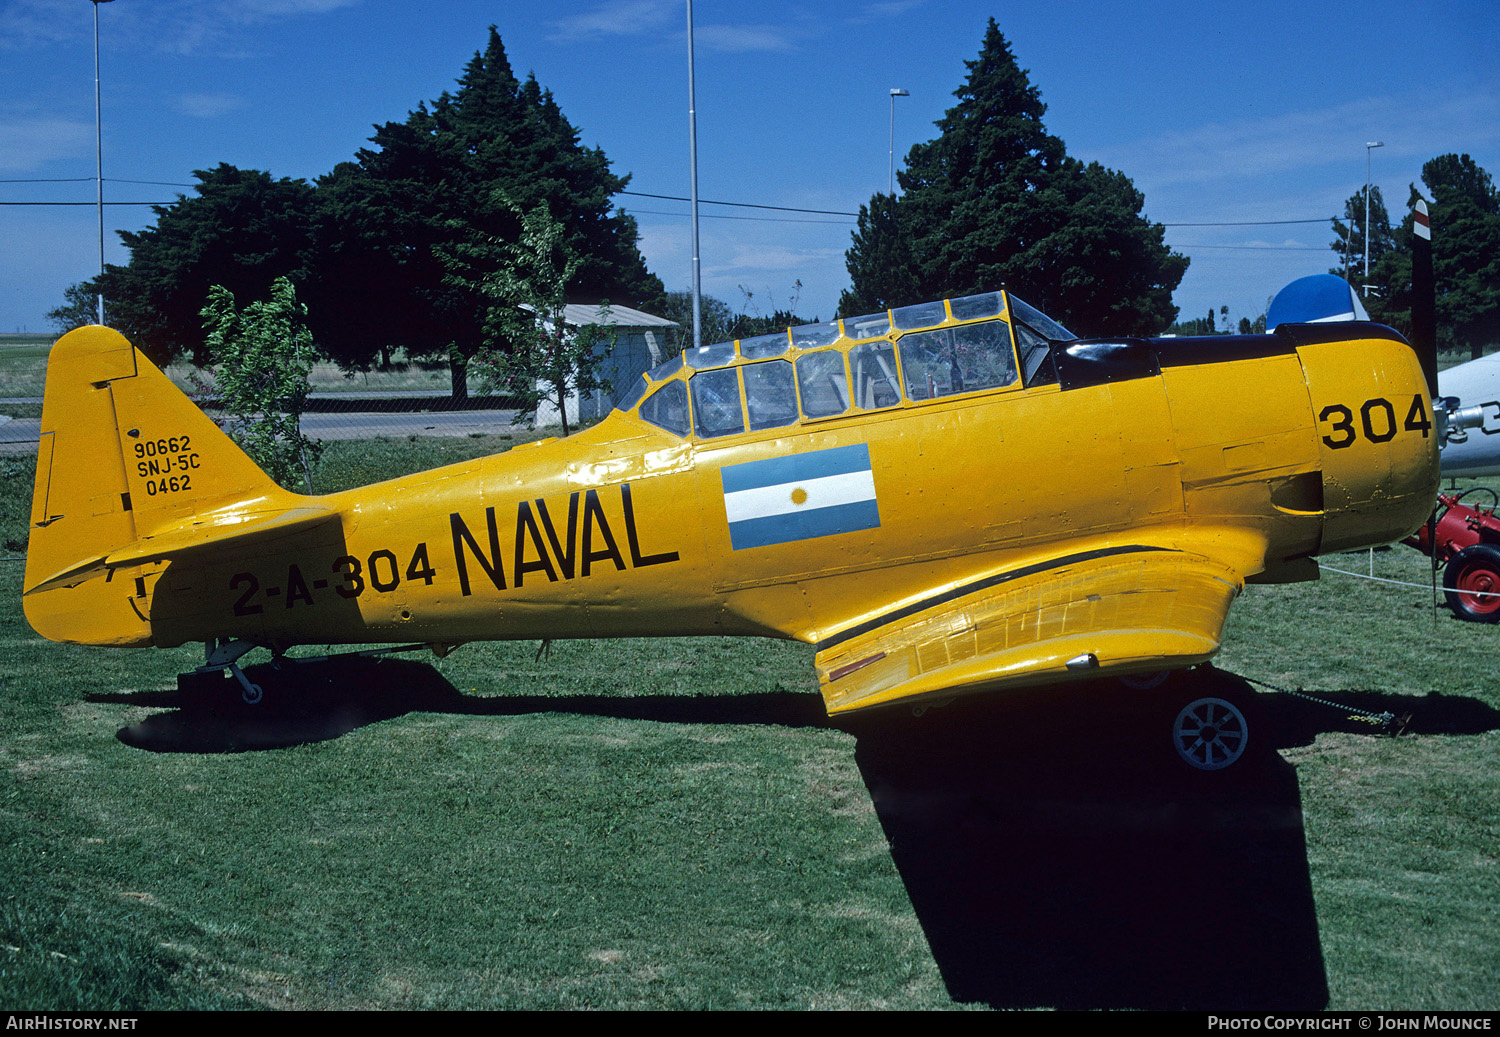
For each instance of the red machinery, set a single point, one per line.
(1467, 540)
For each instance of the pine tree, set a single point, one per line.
(241, 229)
(1465, 214)
(428, 188)
(1465, 249)
(80, 307)
(1349, 236)
(996, 200)
(881, 265)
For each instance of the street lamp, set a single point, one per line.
(895, 93)
(99, 155)
(1369, 146)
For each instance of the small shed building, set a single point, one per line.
(640, 345)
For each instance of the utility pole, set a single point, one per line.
(99, 154)
(896, 92)
(1369, 145)
(693, 183)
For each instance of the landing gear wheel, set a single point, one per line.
(1210, 734)
(1146, 681)
(1472, 583)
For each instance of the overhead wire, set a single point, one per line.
(740, 205)
(704, 201)
(90, 180)
(89, 204)
(834, 212)
(719, 216)
(1261, 248)
(634, 194)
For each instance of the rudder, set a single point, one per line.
(123, 455)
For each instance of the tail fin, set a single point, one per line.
(124, 459)
(1316, 299)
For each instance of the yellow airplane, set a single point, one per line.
(945, 499)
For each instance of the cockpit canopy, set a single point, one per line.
(905, 356)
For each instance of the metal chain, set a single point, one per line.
(1389, 721)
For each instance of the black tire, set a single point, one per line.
(1471, 582)
(1146, 681)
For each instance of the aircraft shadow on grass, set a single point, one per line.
(1057, 854)
(315, 701)
(1055, 851)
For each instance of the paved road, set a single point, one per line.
(365, 424)
(19, 435)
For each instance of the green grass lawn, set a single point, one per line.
(674, 824)
(23, 365)
(23, 369)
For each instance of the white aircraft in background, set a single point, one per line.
(1477, 385)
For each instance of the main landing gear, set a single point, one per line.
(223, 656)
(1208, 717)
(1210, 733)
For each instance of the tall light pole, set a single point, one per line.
(99, 155)
(895, 93)
(1369, 146)
(693, 183)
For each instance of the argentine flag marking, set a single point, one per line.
(800, 497)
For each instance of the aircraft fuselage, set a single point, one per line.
(1112, 503)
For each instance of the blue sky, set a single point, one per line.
(1219, 111)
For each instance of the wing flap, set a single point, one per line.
(1112, 614)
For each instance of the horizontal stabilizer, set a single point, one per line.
(195, 540)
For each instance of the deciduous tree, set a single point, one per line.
(262, 356)
(716, 320)
(240, 230)
(535, 356)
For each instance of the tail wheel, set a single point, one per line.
(1472, 583)
(1210, 734)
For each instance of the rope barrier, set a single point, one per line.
(1403, 583)
(1382, 579)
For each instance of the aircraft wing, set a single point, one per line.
(1114, 610)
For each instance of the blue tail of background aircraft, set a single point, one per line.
(1315, 300)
